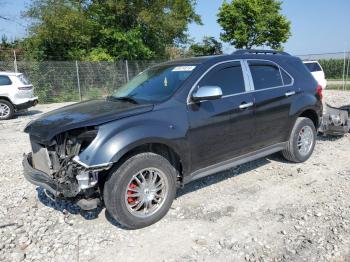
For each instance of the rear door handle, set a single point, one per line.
(246, 105)
(292, 93)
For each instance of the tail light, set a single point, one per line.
(25, 88)
(319, 91)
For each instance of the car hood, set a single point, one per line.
(84, 114)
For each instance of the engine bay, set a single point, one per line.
(57, 160)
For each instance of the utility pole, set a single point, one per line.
(15, 60)
(127, 70)
(78, 79)
(344, 67)
(347, 72)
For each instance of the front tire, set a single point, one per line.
(6, 110)
(302, 141)
(141, 190)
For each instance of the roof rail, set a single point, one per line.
(256, 51)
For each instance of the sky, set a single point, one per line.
(318, 26)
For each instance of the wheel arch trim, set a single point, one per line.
(150, 141)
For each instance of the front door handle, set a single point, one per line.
(246, 105)
(292, 93)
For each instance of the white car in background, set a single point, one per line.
(16, 94)
(317, 71)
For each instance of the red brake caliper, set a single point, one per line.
(130, 192)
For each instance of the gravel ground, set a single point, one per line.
(266, 210)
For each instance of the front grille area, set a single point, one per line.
(40, 158)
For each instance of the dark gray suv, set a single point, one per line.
(172, 124)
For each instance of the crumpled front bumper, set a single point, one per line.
(39, 178)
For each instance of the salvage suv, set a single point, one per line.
(174, 123)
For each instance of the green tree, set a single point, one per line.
(108, 29)
(4, 42)
(7, 47)
(208, 46)
(60, 30)
(249, 23)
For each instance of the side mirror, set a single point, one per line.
(207, 93)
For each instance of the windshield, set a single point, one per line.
(155, 84)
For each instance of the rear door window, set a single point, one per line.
(265, 74)
(5, 81)
(229, 77)
(313, 67)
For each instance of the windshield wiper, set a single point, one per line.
(124, 98)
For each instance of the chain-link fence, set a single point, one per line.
(73, 81)
(66, 81)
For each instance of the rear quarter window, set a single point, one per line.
(287, 80)
(313, 67)
(5, 81)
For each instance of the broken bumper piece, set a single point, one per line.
(335, 121)
(38, 177)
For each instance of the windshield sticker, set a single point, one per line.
(183, 68)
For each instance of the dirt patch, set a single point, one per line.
(266, 210)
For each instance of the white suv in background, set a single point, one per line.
(317, 71)
(16, 94)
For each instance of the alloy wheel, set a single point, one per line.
(146, 192)
(305, 140)
(4, 110)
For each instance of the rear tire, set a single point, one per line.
(302, 141)
(6, 110)
(130, 185)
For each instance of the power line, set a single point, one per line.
(12, 21)
(4, 18)
(332, 53)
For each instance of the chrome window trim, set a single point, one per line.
(211, 68)
(234, 95)
(291, 77)
(269, 88)
(247, 75)
(280, 70)
(250, 78)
